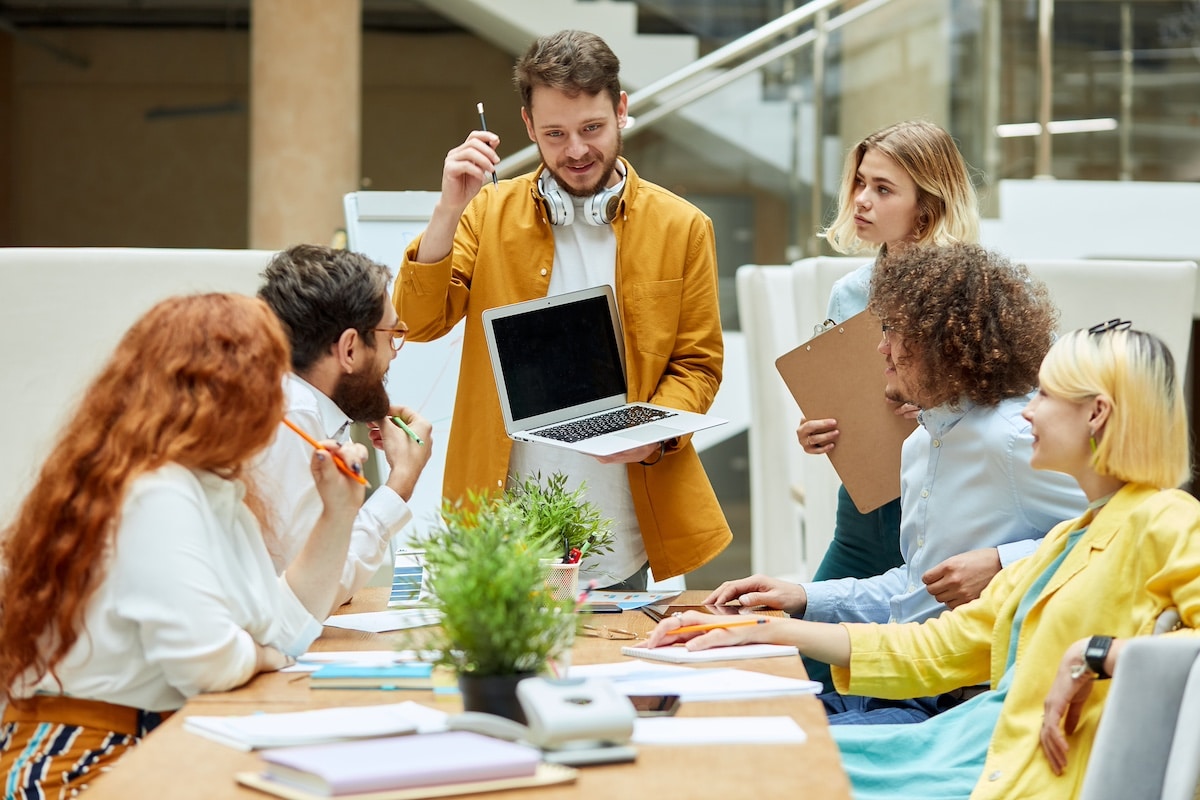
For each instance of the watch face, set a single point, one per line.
(1095, 653)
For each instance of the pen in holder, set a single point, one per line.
(562, 581)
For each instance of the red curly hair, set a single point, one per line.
(196, 381)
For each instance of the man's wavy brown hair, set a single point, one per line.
(975, 324)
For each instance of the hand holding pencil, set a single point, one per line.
(354, 472)
(406, 441)
(718, 631)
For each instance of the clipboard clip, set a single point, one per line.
(822, 327)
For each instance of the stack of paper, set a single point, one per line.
(257, 731)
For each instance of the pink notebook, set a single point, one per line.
(398, 762)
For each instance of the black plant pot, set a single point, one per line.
(493, 694)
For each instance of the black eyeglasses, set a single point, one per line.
(1116, 324)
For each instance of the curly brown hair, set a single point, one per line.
(975, 324)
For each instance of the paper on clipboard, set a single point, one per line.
(838, 374)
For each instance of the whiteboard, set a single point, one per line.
(424, 375)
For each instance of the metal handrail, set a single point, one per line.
(528, 156)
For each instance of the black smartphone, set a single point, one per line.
(655, 705)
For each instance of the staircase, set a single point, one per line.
(753, 133)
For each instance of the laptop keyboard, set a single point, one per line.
(618, 420)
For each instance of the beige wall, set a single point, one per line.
(89, 168)
(92, 169)
(6, 162)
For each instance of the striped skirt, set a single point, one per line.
(53, 746)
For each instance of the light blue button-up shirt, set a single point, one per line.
(965, 484)
(850, 294)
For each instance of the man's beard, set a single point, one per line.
(362, 396)
(606, 174)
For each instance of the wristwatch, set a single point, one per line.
(1094, 654)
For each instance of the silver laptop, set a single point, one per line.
(560, 372)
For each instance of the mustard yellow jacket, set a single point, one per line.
(1139, 557)
(666, 289)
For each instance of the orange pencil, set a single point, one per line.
(716, 625)
(336, 458)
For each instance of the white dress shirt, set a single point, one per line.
(284, 475)
(965, 484)
(186, 591)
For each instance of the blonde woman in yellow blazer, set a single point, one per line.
(1110, 413)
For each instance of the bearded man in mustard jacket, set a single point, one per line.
(584, 218)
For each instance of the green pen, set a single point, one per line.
(402, 425)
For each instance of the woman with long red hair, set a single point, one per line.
(135, 572)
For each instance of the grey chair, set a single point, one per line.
(1148, 742)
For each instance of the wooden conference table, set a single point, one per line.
(175, 763)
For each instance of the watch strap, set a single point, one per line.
(1095, 653)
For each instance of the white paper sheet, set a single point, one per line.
(717, 730)
(255, 731)
(314, 659)
(695, 685)
(380, 621)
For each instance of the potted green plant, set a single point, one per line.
(559, 518)
(499, 622)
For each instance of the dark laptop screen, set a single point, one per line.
(558, 357)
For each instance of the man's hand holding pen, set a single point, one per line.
(406, 451)
(467, 168)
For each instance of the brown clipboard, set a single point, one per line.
(838, 374)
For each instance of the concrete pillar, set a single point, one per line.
(305, 99)
(7, 121)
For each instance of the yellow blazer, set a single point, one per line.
(666, 289)
(1139, 557)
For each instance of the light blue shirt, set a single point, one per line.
(850, 294)
(965, 484)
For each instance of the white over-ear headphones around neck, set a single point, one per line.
(599, 209)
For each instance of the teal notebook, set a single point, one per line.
(381, 676)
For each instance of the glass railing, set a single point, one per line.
(755, 132)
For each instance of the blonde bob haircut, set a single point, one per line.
(948, 211)
(1146, 437)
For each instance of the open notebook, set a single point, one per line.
(559, 364)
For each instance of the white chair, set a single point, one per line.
(1158, 296)
(1148, 741)
(812, 283)
(65, 310)
(767, 314)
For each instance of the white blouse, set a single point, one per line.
(186, 592)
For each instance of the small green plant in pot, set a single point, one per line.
(563, 521)
(499, 623)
